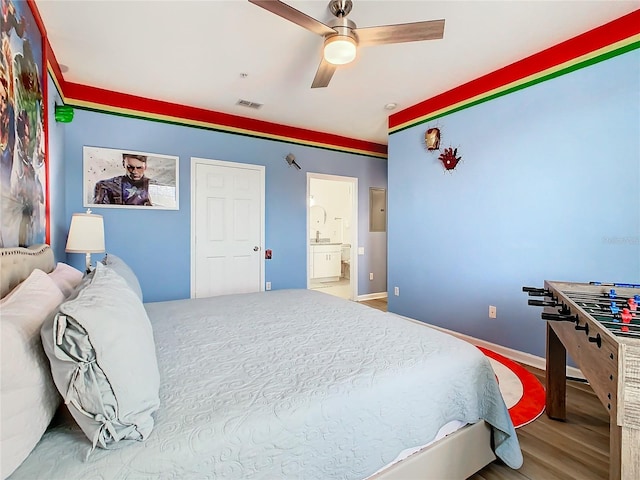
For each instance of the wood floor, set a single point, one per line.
(575, 449)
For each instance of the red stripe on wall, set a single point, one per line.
(99, 96)
(36, 15)
(607, 34)
(44, 43)
(55, 66)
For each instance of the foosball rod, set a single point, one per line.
(619, 324)
(620, 333)
(537, 292)
(608, 311)
(621, 318)
(566, 316)
(630, 305)
(600, 309)
(556, 317)
(621, 285)
(587, 295)
(612, 295)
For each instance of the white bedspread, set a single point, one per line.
(289, 384)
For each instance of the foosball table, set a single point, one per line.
(599, 326)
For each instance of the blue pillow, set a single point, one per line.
(103, 361)
(121, 268)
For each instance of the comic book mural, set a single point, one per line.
(22, 168)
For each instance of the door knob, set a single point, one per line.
(256, 248)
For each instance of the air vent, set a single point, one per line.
(248, 104)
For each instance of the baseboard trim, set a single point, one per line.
(371, 296)
(515, 355)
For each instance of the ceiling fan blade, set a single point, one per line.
(403, 32)
(324, 74)
(296, 16)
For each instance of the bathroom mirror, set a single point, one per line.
(377, 209)
(317, 216)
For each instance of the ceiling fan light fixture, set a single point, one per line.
(339, 49)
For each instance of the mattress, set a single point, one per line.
(289, 384)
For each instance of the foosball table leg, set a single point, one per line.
(556, 376)
(615, 451)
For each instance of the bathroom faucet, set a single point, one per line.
(317, 235)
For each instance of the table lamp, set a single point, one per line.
(86, 235)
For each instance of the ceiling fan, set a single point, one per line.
(341, 37)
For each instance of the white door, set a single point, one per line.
(227, 216)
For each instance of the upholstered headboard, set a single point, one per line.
(17, 263)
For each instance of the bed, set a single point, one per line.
(291, 384)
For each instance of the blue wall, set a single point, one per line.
(548, 189)
(58, 223)
(156, 243)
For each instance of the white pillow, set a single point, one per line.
(103, 359)
(66, 278)
(29, 397)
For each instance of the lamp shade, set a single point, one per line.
(86, 233)
(339, 49)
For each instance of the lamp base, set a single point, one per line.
(88, 262)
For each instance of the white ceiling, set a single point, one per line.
(194, 52)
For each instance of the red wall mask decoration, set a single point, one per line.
(432, 138)
(449, 158)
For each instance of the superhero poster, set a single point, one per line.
(129, 179)
(23, 172)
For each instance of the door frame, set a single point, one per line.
(222, 163)
(353, 240)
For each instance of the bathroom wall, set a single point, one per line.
(335, 197)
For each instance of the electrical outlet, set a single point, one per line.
(371, 276)
(493, 311)
(396, 291)
(267, 286)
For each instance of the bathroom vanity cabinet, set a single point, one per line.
(325, 261)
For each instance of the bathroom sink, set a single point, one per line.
(320, 240)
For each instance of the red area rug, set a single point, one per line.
(523, 393)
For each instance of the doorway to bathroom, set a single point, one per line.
(332, 234)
